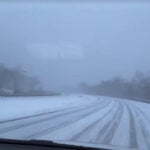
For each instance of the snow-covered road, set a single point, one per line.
(77, 118)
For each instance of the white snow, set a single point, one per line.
(88, 120)
(122, 137)
(15, 107)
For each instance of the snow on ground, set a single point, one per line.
(78, 119)
(15, 107)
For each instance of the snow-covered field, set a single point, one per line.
(80, 119)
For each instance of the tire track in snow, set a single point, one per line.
(66, 123)
(31, 116)
(60, 114)
(25, 131)
(106, 133)
(85, 135)
(133, 137)
(145, 131)
(143, 136)
(145, 117)
(76, 127)
(46, 113)
(122, 130)
(145, 123)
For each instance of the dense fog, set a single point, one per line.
(65, 44)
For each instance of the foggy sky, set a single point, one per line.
(66, 43)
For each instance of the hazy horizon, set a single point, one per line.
(67, 43)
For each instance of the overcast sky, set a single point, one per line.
(66, 43)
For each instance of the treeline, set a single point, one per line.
(137, 88)
(14, 81)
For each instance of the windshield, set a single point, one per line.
(76, 72)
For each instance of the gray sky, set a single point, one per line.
(66, 43)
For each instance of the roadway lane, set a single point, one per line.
(108, 121)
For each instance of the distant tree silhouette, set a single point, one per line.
(16, 80)
(138, 88)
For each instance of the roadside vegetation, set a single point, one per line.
(137, 88)
(16, 82)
